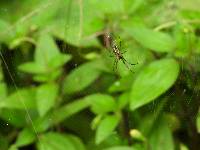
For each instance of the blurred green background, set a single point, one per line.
(59, 89)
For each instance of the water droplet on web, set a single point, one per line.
(7, 124)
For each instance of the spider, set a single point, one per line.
(109, 42)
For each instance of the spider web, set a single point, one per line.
(21, 20)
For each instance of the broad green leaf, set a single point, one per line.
(70, 109)
(153, 81)
(106, 128)
(154, 40)
(80, 78)
(161, 137)
(70, 28)
(21, 99)
(101, 103)
(25, 137)
(55, 141)
(120, 148)
(32, 67)
(46, 50)
(46, 96)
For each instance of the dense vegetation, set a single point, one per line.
(59, 88)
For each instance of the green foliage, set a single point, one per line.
(163, 72)
(60, 90)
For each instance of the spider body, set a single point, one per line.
(109, 42)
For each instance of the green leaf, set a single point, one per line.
(48, 76)
(32, 67)
(156, 41)
(123, 100)
(69, 28)
(198, 122)
(106, 128)
(101, 103)
(41, 124)
(161, 137)
(70, 109)
(153, 81)
(46, 96)
(46, 50)
(107, 7)
(59, 60)
(77, 142)
(56, 141)
(120, 148)
(13, 147)
(80, 78)
(21, 99)
(25, 137)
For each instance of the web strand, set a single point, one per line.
(19, 95)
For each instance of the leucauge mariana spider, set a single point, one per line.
(114, 47)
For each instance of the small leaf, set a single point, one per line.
(153, 81)
(21, 99)
(46, 96)
(41, 124)
(122, 84)
(101, 103)
(46, 50)
(123, 100)
(106, 128)
(55, 141)
(69, 109)
(47, 77)
(59, 60)
(120, 148)
(13, 147)
(156, 41)
(32, 67)
(80, 78)
(161, 137)
(25, 137)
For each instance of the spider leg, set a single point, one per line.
(126, 64)
(124, 52)
(115, 64)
